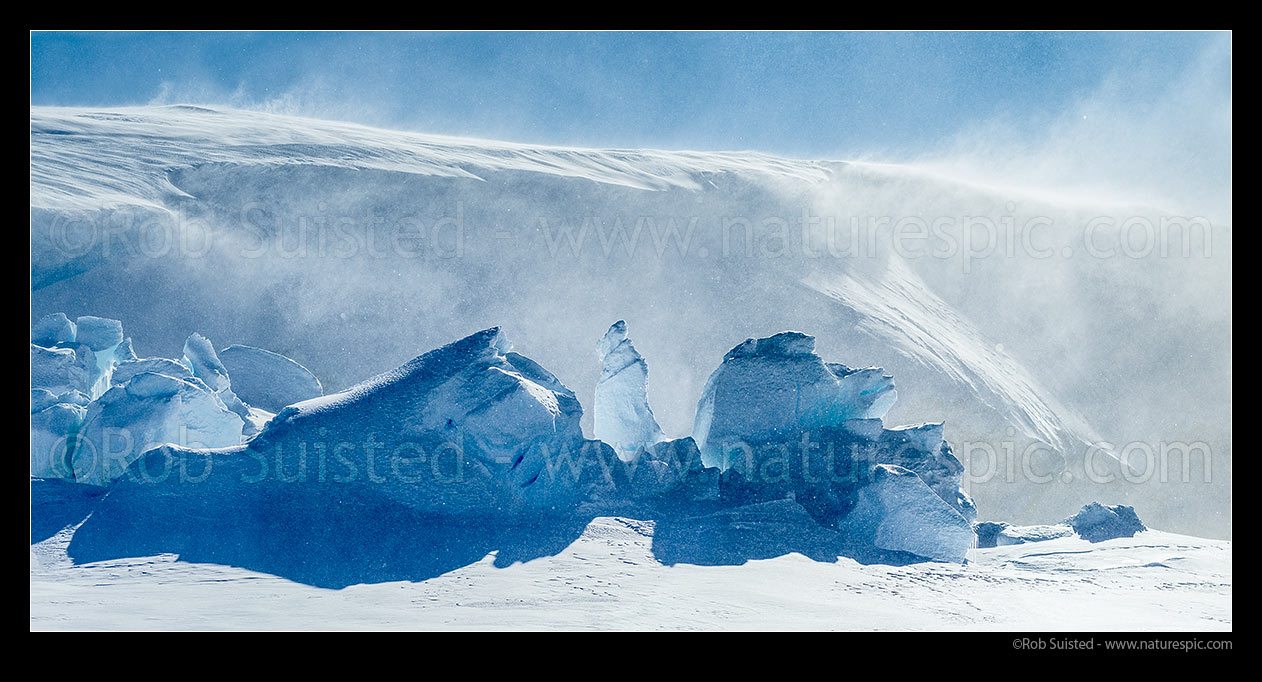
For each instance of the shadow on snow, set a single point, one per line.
(314, 536)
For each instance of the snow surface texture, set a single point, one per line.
(696, 250)
(623, 417)
(1000, 534)
(611, 576)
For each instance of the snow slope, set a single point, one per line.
(351, 249)
(609, 578)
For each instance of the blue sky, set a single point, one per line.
(797, 94)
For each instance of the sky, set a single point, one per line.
(802, 94)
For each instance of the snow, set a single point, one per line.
(900, 308)
(198, 135)
(778, 385)
(268, 380)
(255, 419)
(610, 578)
(623, 418)
(1016, 535)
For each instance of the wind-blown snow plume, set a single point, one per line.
(900, 308)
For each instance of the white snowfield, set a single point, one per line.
(609, 579)
(99, 168)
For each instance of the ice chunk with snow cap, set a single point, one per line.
(53, 431)
(82, 359)
(58, 370)
(988, 532)
(42, 398)
(200, 357)
(53, 329)
(468, 428)
(777, 387)
(124, 372)
(1002, 534)
(895, 510)
(98, 333)
(622, 416)
(923, 449)
(149, 410)
(1096, 522)
(123, 352)
(1020, 535)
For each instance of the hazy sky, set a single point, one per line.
(797, 94)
